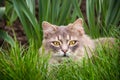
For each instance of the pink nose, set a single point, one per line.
(64, 50)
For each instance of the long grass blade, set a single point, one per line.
(31, 26)
(4, 35)
(31, 6)
(64, 11)
(77, 8)
(113, 10)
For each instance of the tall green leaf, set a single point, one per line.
(29, 21)
(10, 13)
(64, 10)
(2, 11)
(113, 16)
(4, 35)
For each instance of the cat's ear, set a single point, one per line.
(77, 25)
(78, 22)
(47, 27)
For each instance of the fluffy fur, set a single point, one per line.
(68, 41)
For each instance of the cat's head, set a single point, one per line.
(63, 40)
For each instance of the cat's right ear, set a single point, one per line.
(47, 27)
(77, 26)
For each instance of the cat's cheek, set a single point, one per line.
(74, 48)
(54, 49)
(60, 53)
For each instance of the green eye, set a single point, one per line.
(72, 42)
(56, 43)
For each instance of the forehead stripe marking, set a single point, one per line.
(59, 37)
(56, 38)
(68, 37)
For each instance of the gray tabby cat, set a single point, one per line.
(68, 41)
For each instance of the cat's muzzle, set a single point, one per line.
(65, 55)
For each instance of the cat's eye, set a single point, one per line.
(72, 42)
(56, 43)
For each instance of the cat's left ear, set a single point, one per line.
(77, 25)
(48, 28)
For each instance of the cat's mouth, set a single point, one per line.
(64, 55)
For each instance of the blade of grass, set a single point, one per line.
(113, 10)
(77, 7)
(7, 38)
(55, 10)
(64, 11)
(90, 13)
(10, 13)
(31, 6)
(2, 11)
(34, 32)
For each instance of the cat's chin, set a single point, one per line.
(58, 55)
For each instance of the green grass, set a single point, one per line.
(25, 63)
